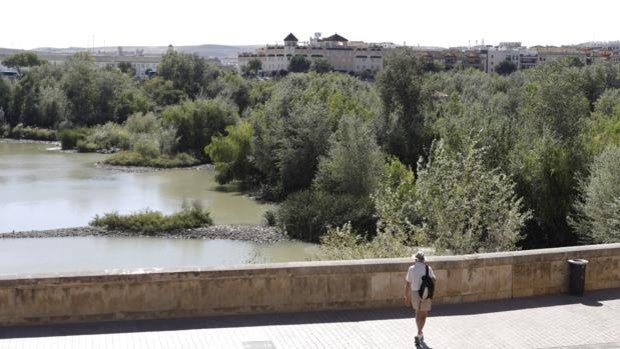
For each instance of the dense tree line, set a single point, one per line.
(460, 160)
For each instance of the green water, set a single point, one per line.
(43, 188)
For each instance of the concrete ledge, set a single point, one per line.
(302, 286)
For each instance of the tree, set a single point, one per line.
(189, 73)
(354, 161)
(506, 68)
(23, 60)
(395, 201)
(80, 86)
(252, 68)
(127, 68)
(5, 96)
(399, 84)
(597, 218)
(233, 87)
(321, 66)
(466, 208)
(305, 140)
(299, 64)
(231, 153)
(196, 122)
(54, 107)
(163, 92)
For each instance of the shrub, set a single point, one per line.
(270, 218)
(146, 147)
(139, 123)
(305, 215)
(148, 222)
(69, 137)
(5, 130)
(26, 132)
(110, 135)
(132, 158)
(84, 146)
(345, 243)
(597, 218)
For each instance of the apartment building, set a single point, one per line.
(343, 55)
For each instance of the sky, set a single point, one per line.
(28, 24)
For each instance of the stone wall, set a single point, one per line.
(305, 286)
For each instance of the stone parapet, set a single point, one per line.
(287, 287)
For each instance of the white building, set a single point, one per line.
(342, 54)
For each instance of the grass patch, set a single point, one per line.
(148, 222)
(133, 158)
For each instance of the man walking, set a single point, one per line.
(420, 304)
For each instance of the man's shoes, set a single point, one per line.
(417, 339)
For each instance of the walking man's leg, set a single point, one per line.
(420, 320)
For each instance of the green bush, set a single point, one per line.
(306, 215)
(69, 137)
(84, 146)
(149, 222)
(111, 135)
(26, 132)
(270, 218)
(5, 130)
(146, 147)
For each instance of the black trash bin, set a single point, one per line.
(577, 276)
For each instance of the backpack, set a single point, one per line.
(428, 286)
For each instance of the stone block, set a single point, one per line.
(497, 278)
(522, 292)
(309, 289)
(441, 285)
(338, 288)
(7, 303)
(523, 276)
(472, 281)
(542, 274)
(360, 287)
(559, 274)
(380, 286)
(454, 282)
(83, 300)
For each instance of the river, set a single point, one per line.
(43, 188)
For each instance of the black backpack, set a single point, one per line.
(427, 285)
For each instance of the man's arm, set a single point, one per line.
(407, 293)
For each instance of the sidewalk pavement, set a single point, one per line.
(559, 321)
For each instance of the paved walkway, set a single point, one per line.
(539, 322)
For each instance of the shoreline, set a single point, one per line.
(142, 169)
(252, 233)
(26, 141)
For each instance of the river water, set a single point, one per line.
(44, 188)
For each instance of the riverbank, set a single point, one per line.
(254, 233)
(26, 141)
(141, 169)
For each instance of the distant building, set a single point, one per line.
(140, 63)
(511, 52)
(552, 53)
(343, 55)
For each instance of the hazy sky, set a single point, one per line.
(61, 23)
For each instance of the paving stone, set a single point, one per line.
(560, 321)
